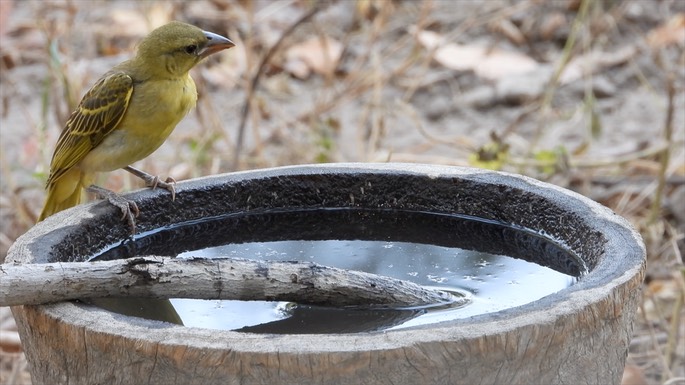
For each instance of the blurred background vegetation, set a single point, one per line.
(585, 94)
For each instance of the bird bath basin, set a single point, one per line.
(578, 334)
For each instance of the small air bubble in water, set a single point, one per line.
(436, 279)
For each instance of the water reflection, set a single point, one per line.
(497, 265)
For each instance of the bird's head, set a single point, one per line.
(174, 48)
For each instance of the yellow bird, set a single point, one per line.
(123, 118)
(128, 114)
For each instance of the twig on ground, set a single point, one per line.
(318, 6)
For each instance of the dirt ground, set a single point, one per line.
(585, 94)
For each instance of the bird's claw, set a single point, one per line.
(129, 212)
(153, 181)
(129, 209)
(169, 184)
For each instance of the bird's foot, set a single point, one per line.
(129, 209)
(153, 181)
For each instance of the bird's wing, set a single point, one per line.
(99, 112)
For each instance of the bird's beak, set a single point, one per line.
(215, 43)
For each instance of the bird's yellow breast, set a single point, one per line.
(156, 107)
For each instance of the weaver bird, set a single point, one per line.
(128, 114)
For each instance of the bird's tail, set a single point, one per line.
(63, 193)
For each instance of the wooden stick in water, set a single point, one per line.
(209, 278)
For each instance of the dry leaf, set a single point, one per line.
(660, 297)
(127, 22)
(490, 64)
(29, 38)
(126, 27)
(595, 61)
(509, 30)
(317, 54)
(134, 23)
(297, 68)
(499, 64)
(160, 13)
(673, 32)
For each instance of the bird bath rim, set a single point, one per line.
(596, 286)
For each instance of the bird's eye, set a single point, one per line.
(191, 48)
